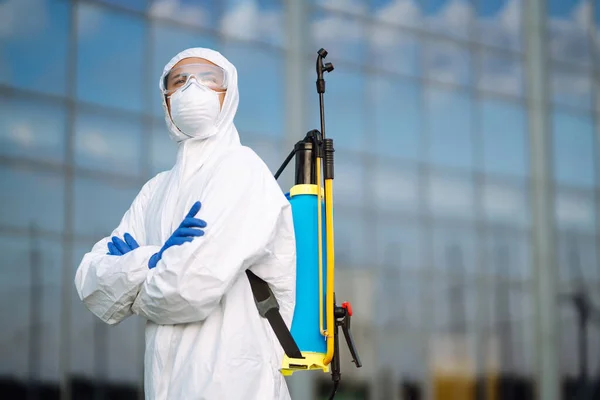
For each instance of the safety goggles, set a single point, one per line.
(209, 75)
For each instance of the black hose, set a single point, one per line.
(335, 388)
(285, 163)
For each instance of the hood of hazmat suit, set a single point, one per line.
(204, 336)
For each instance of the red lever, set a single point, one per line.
(348, 307)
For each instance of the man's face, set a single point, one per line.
(194, 60)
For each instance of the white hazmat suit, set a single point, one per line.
(204, 337)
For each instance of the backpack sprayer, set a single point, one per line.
(313, 341)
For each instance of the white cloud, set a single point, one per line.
(348, 6)
(504, 203)
(569, 36)
(248, 21)
(575, 211)
(176, 10)
(22, 133)
(450, 196)
(504, 28)
(94, 144)
(402, 12)
(22, 18)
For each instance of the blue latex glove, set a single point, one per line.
(186, 232)
(119, 247)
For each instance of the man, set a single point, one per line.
(204, 336)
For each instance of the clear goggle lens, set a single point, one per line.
(211, 76)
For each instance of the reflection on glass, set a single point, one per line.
(395, 188)
(572, 87)
(505, 204)
(108, 142)
(261, 87)
(32, 129)
(577, 258)
(500, 74)
(19, 276)
(168, 41)
(447, 62)
(163, 149)
(573, 136)
(568, 27)
(404, 13)
(350, 178)
(449, 117)
(498, 23)
(109, 202)
(398, 244)
(34, 45)
(352, 244)
(125, 351)
(260, 20)
(343, 37)
(110, 58)
(575, 210)
(401, 292)
(34, 197)
(349, 7)
(396, 128)
(190, 12)
(505, 140)
(448, 17)
(394, 51)
(451, 196)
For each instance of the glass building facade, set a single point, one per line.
(429, 109)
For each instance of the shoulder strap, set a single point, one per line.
(269, 308)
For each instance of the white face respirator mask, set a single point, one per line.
(195, 109)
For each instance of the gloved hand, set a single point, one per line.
(119, 247)
(186, 232)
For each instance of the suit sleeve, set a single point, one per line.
(108, 284)
(242, 206)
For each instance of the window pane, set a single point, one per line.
(578, 259)
(344, 38)
(109, 202)
(350, 178)
(447, 62)
(199, 13)
(268, 150)
(34, 45)
(34, 197)
(168, 41)
(449, 116)
(124, 351)
(83, 323)
(351, 240)
(400, 292)
(394, 50)
(261, 85)
(568, 25)
(396, 117)
(405, 13)
(164, 149)
(575, 210)
(20, 279)
(351, 7)
(344, 103)
(260, 20)
(32, 129)
(505, 140)
(110, 43)
(499, 23)
(507, 254)
(108, 142)
(450, 196)
(398, 244)
(500, 74)
(395, 188)
(139, 5)
(572, 87)
(573, 149)
(448, 17)
(505, 204)
(455, 250)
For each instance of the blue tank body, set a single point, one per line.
(305, 324)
